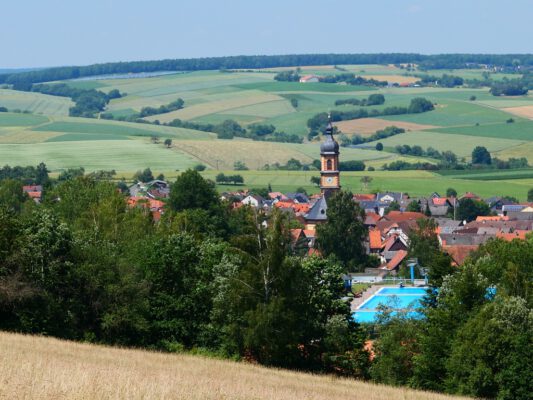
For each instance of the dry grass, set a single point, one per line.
(523, 111)
(368, 126)
(42, 368)
(393, 78)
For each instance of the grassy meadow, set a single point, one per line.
(458, 124)
(33, 367)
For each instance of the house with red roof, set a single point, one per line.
(309, 79)
(34, 192)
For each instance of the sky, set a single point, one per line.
(42, 33)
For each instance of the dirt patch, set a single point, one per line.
(368, 126)
(524, 111)
(399, 79)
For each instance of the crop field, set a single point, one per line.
(368, 126)
(120, 155)
(15, 119)
(458, 124)
(36, 103)
(522, 111)
(461, 145)
(517, 131)
(34, 367)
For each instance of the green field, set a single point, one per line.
(36, 103)
(254, 97)
(121, 155)
(12, 119)
(518, 131)
(415, 183)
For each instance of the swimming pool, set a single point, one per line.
(405, 299)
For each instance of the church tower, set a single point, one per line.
(329, 171)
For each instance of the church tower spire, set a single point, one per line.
(329, 155)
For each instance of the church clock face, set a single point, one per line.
(329, 179)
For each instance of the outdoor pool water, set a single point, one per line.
(405, 299)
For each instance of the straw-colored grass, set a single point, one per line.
(42, 368)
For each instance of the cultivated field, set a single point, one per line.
(368, 126)
(458, 124)
(42, 368)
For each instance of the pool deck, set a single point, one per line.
(357, 301)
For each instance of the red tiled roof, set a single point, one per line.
(398, 216)
(470, 195)
(492, 218)
(396, 260)
(31, 188)
(389, 242)
(374, 238)
(35, 195)
(309, 233)
(145, 202)
(440, 201)
(459, 252)
(364, 197)
(519, 234)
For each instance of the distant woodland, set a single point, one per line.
(23, 80)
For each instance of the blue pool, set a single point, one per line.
(405, 299)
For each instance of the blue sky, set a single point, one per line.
(36, 33)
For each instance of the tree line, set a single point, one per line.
(88, 102)
(319, 121)
(440, 61)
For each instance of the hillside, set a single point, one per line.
(463, 119)
(44, 368)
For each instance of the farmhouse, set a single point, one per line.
(308, 79)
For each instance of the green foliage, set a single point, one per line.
(240, 166)
(513, 87)
(227, 179)
(480, 155)
(469, 209)
(451, 192)
(192, 191)
(394, 350)
(144, 176)
(424, 245)
(287, 76)
(413, 206)
(353, 165)
(342, 235)
(379, 146)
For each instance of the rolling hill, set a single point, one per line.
(44, 368)
(463, 119)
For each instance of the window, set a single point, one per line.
(329, 165)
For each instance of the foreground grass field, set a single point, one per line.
(42, 368)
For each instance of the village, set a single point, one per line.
(390, 217)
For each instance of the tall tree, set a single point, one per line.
(343, 234)
(192, 191)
